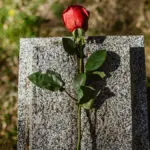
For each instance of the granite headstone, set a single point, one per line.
(48, 120)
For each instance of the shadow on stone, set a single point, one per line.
(100, 85)
(148, 100)
(138, 93)
(97, 39)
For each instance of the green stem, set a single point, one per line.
(79, 128)
(70, 95)
(79, 48)
(80, 65)
(81, 70)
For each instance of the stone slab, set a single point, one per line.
(48, 120)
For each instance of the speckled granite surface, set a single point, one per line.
(47, 121)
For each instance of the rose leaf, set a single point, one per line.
(69, 46)
(99, 73)
(79, 81)
(50, 80)
(96, 60)
(89, 95)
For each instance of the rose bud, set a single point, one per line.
(75, 16)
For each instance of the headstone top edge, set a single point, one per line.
(110, 36)
(132, 41)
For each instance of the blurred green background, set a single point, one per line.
(42, 18)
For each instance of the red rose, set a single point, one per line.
(75, 16)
